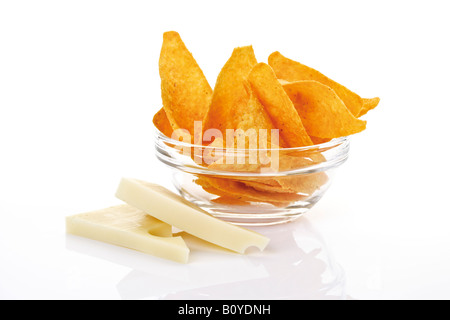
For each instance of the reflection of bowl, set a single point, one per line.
(298, 265)
(252, 186)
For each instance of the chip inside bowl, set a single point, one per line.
(186, 93)
(278, 105)
(323, 113)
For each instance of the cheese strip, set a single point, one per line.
(129, 227)
(178, 212)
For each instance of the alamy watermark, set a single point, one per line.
(252, 147)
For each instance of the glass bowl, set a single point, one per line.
(252, 186)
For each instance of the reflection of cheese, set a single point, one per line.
(129, 227)
(180, 213)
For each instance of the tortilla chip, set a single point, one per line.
(277, 104)
(230, 98)
(230, 201)
(291, 70)
(305, 184)
(257, 185)
(205, 183)
(233, 104)
(224, 196)
(212, 152)
(368, 104)
(186, 94)
(323, 113)
(304, 105)
(317, 140)
(241, 191)
(287, 161)
(162, 123)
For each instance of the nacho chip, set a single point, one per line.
(230, 98)
(304, 105)
(368, 104)
(162, 123)
(271, 187)
(291, 70)
(317, 140)
(212, 152)
(269, 184)
(305, 184)
(224, 197)
(323, 113)
(230, 201)
(205, 183)
(233, 104)
(241, 191)
(186, 94)
(278, 105)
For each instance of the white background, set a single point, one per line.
(79, 85)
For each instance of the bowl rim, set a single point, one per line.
(342, 144)
(326, 145)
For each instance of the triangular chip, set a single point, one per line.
(230, 98)
(236, 188)
(277, 104)
(323, 113)
(230, 201)
(272, 186)
(162, 123)
(368, 104)
(186, 94)
(233, 104)
(317, 140)
(291, 71)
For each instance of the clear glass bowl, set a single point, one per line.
(252, 186)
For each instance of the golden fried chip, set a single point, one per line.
(257, 185)
(323, 113)
(230, 98)
(230, 201)
(233, 104)
(317, 140)
(305, 184)
(291, 70)
(304, 105)
(277, 104)
(235, 107)
(205, 183)
(368, 104)
(162, 123)
(186, 94)
(238, 189)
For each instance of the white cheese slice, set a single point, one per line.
(180, 213)
(129, 227)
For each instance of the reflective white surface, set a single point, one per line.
(297, 264)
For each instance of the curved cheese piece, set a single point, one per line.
(180, 213)
(129, 227)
